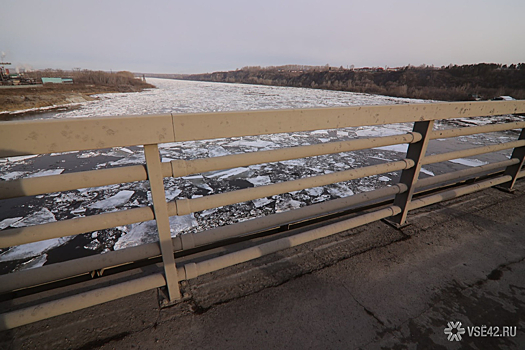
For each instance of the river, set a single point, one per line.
(173, 96)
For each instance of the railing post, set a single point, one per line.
(514, 170)
(416, 152)
(160, 208)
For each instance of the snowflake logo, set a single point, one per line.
(454, 335)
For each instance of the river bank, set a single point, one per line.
(56, 95)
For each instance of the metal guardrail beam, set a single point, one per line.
(194, 270)
(48, 136)
(40, 137)
(16, 236)
(61, 135)
(188, 167)
(177, 168)
(71, 268)
(187, 206)
(80, 301)
(202, 126)
(471, 130)
(437, 158)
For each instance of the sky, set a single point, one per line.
(172, 36)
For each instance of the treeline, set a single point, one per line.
(89, 77)
(447, 83)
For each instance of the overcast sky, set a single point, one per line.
(172, 36)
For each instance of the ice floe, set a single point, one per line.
(229, 174)
(20, 158)
(115, 201)
(468, 162)
(47, 172)
(198, 180)
(252, 144)
(287, 204)
(217, 151)
(261, 202)
(260, 180)
(425, 171)
(43, 216)
(315, 191)
(13, 175)
(33, 263)
(146, 232)
(9, 221)
(340, 190)
(402, 148)
(30, 250)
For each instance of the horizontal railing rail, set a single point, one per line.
(19, 138)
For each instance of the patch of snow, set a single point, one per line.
(385, 178)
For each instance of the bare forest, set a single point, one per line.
(447, 83)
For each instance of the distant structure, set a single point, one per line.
(57, 80)
(5, 76)
(12, 78)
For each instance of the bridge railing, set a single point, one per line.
(19, 138)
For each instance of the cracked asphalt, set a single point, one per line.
(374, 287)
